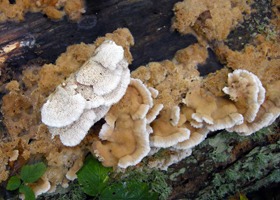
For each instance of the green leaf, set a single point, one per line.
(31, 173)
(93, 176)
(13, 183)
(29, 194)
(242, 197)
(128, 190)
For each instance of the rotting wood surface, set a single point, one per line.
(206, 173)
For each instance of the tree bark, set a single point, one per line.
(226, 163)
(219, 167)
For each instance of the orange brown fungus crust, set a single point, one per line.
(21, 112)
(172, 79)
(54, 9)
(210, 19)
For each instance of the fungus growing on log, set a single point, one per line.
(165, 134)
(54, 113)
(41, 186)
(100, 82)
(212, 19)
(247, 91)
(54, 9)
(125, 135)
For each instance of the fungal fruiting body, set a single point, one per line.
(170, 109)
(127, 128)
(145, 116)
(86, 96)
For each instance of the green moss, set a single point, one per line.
(161, 154)
(155, 179)
(73, 192)
(259, 135)
(254, 166)
(221, 149)
(218, 180)
(173, 176)
(191, 160)
(231, 175)
(224, 189)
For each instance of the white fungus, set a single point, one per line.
(87, 95)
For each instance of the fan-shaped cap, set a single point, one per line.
(101, 79)
(115, 95)
(143, 148)
(92, 100)
(74, 133)
(267, 113)
(143, 90)
(153, 112)
(164, 133)
(196, 137)
(108, 54)
(41, 186)
(246, 88)
(62, 109)
(180, 135)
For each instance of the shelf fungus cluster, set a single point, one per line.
(86, 96)
(164, 107)
(72, 101)
(127, 128)
(170, 109)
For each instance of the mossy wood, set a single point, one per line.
(219, 167)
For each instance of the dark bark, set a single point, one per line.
(148, 21)
(226, 163)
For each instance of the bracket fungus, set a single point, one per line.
(247, 91)
(165, 133)
(203, 109)
(54, 113)
(248, 94)
(87, 94)
(166, 106)
(41, 186)
(125, 135)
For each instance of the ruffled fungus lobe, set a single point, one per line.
(266, 115)
(54, 113)
(74, 133)
(196, 137)
(203, 109)
(247, 91)
(40, 186)
(125, 135)
(249, 95)
(71, 174)
(100, 82)
(165, 134)
(203, 103)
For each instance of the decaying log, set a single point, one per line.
(219, 167)
(226, 163)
